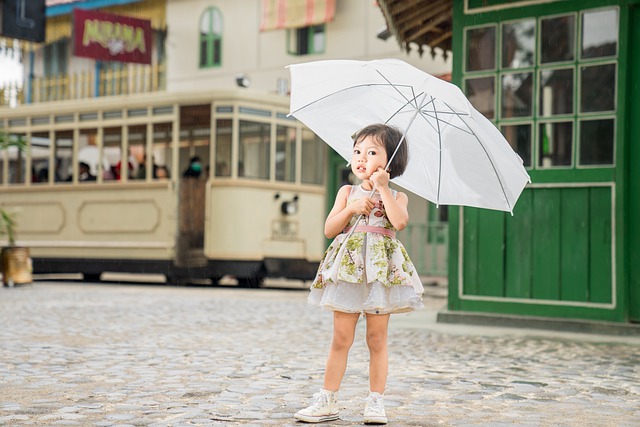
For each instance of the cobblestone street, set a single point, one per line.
(76, 354)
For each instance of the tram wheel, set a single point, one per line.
(250, 282)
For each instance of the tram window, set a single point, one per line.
(161, 153)
(137, 153)
(313, 158)
(195, 134)
(88, 155)
(112, 152)
(17, 161)
(40, 149)
(63, 154)
(254, 150)
(285, 154)
(223, 147)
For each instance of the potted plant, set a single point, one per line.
(15, 261)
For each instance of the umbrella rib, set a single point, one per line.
(407, 103)
(425, 115)
(401, 94)
(439, 154)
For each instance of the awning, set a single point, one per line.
(279, 14)
(423, 22)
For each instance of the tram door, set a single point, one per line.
(195, 130)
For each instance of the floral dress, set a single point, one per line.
(371, 272)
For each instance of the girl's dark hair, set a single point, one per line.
(389, 137)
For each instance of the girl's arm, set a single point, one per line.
(395, 207)
(340, 214)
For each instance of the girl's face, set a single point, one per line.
(368, 156)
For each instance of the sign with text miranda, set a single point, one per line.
(109, 37)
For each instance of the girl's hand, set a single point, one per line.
(363, 206)
(380, 178)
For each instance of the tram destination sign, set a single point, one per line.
(108, 37)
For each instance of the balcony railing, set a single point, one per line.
(129, 80)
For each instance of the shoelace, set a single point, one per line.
(319, 399)
(375, 404)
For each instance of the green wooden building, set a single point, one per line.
(561, 80)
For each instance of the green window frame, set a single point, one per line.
(210, 38)
(307, 40)
(556, 106)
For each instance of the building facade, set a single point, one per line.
(559, 79)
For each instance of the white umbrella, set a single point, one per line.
(456, 155)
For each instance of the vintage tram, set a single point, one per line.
(189, 185)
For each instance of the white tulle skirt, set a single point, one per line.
(372, 298)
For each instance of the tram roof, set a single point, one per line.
(131, 101)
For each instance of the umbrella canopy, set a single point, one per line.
(456, 155)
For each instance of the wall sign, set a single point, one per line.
(109, 37)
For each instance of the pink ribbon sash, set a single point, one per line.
(372, 229)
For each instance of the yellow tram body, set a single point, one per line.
(89, 197)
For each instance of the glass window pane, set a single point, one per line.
(596, 142)
(253, 152)
(519, 137)
(223, 147)
(63, 155)
(481, 49)
(17, 160)
(556, 92)
(203, 51)
(318, 39)
(161, 154)
(597, 88)
(137, 143)
(112, 152)
(555, 144)
(88, 156)
(285, 154)
(518, 44)
(599, 33)
(481, 93)
(313, 158)
(40, 148)
(557, 39)
(217, 52)
(517, 95)
(205, 22)
(216, 24)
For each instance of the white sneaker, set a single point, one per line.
(324, 408)
(374, 410)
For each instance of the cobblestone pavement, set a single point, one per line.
(109, 355)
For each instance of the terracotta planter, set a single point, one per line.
(15, 265)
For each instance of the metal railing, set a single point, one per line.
(129, 80)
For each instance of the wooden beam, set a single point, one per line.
(433, 24)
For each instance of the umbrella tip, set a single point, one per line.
(348, 164)
(511, 212)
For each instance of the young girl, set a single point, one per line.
(369, 274)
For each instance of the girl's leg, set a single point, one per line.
(377, 327)
(344, 328)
